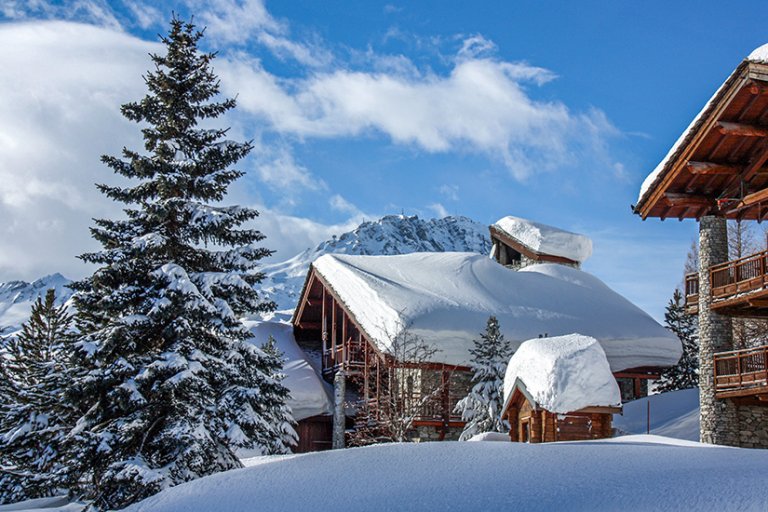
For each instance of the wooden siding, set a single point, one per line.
(535, 425)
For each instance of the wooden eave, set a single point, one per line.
(526, 251)
(519, 390)
(314, 276)
(721, 165)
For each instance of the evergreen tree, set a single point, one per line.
(685, 374)
(173, 387)
(481, 408)
(34, 375)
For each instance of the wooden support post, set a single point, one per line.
(339, 418)
(366, 368)
(344, 340)
(324, 329)
(333, 330)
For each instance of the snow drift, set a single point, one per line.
(630, 473)
(446, 298)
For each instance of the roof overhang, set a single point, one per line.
(718, 166)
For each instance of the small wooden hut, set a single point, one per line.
(571, 394)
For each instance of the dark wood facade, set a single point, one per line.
(530, 423)
(315, 434)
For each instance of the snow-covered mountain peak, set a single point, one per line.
(389, 235)
(17, 297)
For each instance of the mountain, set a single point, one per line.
(17, 297)
(393, 234)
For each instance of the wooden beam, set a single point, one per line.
(679, 199)
(758, 303)
(757, 162)
(756, 88)
(711, 168)
(741, 129)
(753, 198)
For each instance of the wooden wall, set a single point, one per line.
(541, 426)
(315, 434)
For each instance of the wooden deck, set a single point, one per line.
(739, 287)
(742, 373)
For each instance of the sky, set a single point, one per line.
(552, 111)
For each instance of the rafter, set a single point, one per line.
(710, 168)
(742, 129)
(679, 199)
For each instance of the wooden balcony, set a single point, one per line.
(739, 287)
(742, 373)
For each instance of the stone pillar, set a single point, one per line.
(339, 418)
(719, 418)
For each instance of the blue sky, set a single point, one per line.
(554, 111)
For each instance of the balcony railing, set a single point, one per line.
(741, 372)
(730, 279)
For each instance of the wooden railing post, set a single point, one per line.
(738, 367)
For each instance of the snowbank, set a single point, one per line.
(545, 239)
(563, 374)
(446, 298)
(631, 473)
(490, 436)
(673, 414)
(310, 395)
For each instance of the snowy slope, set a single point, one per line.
(17, 297)
(674, 414)
(563, 374)
(310, 395)
(631, 473)
(446, 298)
(393, 234)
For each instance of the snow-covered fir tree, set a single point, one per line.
(174, 387)
(685, 374)
(481, 408)
(34, 417)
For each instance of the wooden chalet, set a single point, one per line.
(324, 322)
(538, 415)
(531, 423)
(718, 171)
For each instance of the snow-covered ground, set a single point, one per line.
(630, 473)
(637, 472)
(674, 414)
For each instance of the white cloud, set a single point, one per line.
(450, 192)
(480, 106)
(60, 92)
(241, 21)
(439, 209)
(339, 204)
(97, 12)
(280, 171)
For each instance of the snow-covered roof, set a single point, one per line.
(562, 374)
(545, 239)
(310, 395)
(758, 56)
(446, 298)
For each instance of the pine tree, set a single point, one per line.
(34, 375)
(481, 408)
(173, 387)
(685, 374)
